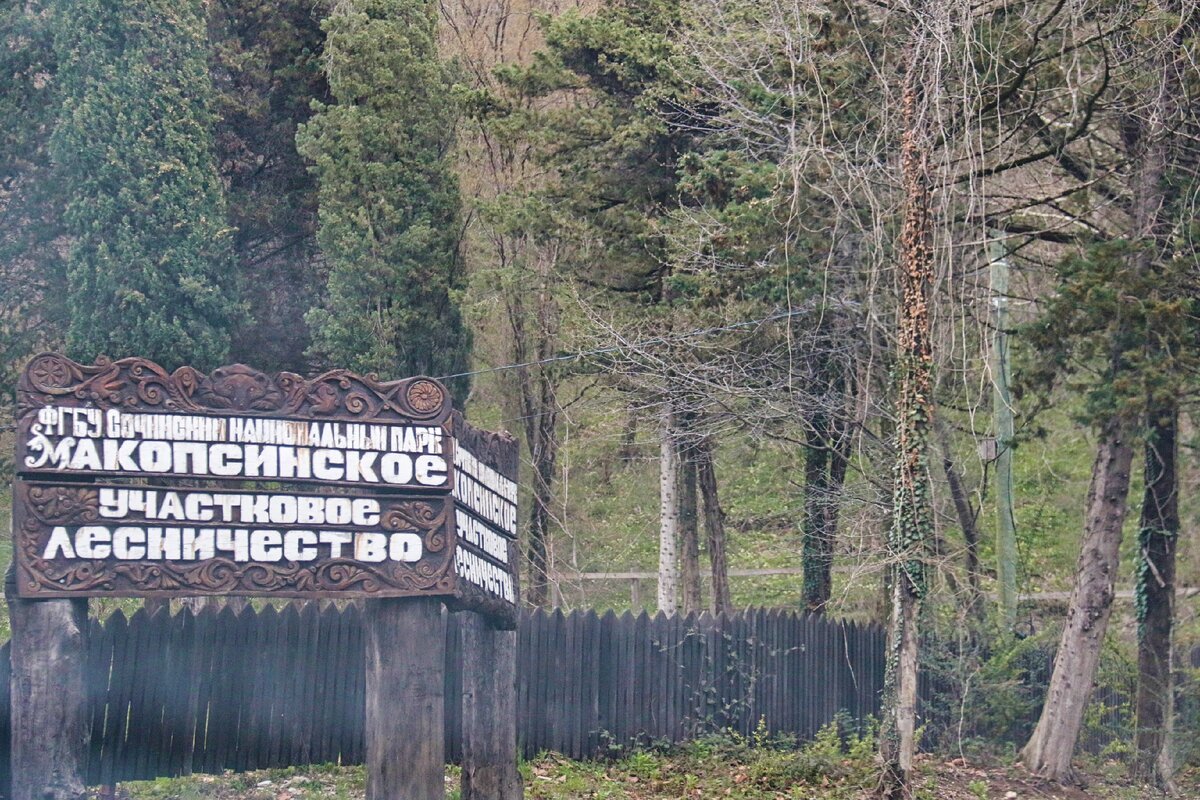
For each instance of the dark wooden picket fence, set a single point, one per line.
(216, 690)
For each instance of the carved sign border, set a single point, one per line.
(142, 385)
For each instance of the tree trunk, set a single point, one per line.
(714, 526)
(1048, 753)
(1154, 209)
(966, 521)
(628, 449)
(668, 512)
(817, 540)
(912, 516)
(1156, 599)
(540, 406)
(689, 530)
(537, 586)
(539, 411)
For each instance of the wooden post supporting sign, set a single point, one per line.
(51, 723)
(489, 712)
(405, 735)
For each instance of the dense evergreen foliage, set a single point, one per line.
(389, 204)
(31, 265)
(265, 61)
(150, 270)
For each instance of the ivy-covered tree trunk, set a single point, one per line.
(912, 514)
(151, 269)
(1155, 209)
(1157, 542)
(389, 217)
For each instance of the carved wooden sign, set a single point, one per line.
(132, 481)
(485, 514)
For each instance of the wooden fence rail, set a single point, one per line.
(189, 693)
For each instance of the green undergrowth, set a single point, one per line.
(725, 766)
(712, 768)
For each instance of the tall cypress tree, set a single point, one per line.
(266, 68)
(389, 210)
(31, 265)
(150, 270)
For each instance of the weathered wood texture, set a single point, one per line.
(224, 689)
(405, 643)
(50, 718)
(489, 711)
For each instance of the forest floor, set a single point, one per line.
(696, 771)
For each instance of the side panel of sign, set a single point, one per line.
(485, 519)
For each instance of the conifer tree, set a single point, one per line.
(266, 70)
(150, 270)
(388, 219)
(31, 264)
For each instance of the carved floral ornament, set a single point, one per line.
(137, 383)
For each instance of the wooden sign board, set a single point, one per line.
(485, 516)
(132, 481)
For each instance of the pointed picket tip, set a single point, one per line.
(140, 617)
(116, 618)
(291, 612)
(227, 616)
(609, 616)
(311, 613)
(159, 615)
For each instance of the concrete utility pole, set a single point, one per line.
(1002, 415)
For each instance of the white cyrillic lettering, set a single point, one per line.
(92, 541)
(129, 543)
(60, 542)
(265, 545)
(405, 547)
(297, 546)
